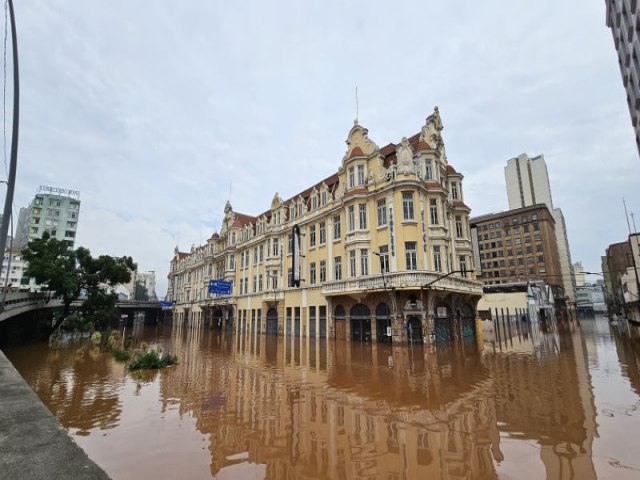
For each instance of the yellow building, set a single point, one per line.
(379, 251)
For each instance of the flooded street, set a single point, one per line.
(556, 402)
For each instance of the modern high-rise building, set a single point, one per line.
(53, 210)
(623, 18)
(378, 252)
(528, 184)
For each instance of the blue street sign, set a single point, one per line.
(164, 304)
(220, 286)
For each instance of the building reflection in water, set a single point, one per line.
(327, 409)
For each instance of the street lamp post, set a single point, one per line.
(391, 298)
(427, 286)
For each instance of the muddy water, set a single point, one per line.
(554, 402)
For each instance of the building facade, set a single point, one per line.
(518, 246)
(379, 251)
(55, 211)
(622, 278)
(624, 21)
(528, 184)
(13, 269)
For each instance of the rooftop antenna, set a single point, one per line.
(626, 215)
(357, 113)
(229, 191)
(633, 220)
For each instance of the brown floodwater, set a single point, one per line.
(557, 402)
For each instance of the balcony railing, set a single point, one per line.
(403, 280)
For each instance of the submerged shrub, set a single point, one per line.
(151, 358)
(120, 355)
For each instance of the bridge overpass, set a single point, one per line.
(13, 304)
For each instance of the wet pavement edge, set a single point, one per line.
(33, 444)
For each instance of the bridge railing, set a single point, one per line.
(14, 303)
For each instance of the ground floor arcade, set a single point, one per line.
(409, 316)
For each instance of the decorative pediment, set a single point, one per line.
(358, 143)
(404, 157)
(431, 132)
(276, 202)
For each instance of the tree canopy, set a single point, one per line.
(68, 273)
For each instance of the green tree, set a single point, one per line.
(68, 273)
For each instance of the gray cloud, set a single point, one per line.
(151, 109)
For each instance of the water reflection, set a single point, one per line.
(518, 404)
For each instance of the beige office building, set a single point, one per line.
(528, 184)
(380, 251)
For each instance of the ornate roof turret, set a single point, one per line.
(359, 144)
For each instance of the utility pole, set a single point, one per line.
(11, 181)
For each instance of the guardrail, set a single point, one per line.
(16, 303)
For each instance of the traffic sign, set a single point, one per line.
(220, 286)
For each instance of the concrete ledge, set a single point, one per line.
(33, 444)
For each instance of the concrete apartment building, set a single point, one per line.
(624, 21)
(380, 251)
(53, 210)
(13, 268)
(528, 184)
(518, 246)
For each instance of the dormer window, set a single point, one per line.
(454, 191)
(314, 202)
(360, 174)
(323, 198)
(352, 177)
(428, 169)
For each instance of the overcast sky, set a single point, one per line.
(158, 112)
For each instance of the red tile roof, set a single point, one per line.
(356, 152)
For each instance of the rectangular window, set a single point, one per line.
(314, 202)
(459, 231)
(362, 210)
(290, 277)
(274, 244)
(323, 233)
(323, 271)
(407, 206)
(323, 198)
(274, 279)
(437, 260)
(352, 263)
(411, 255)
(352, 177)
(312, 273)
(364, 261)
(454, 190)
(360, 174)
(351, 217)
(337, 268)
(312, 236)
(290, 244)
(428, 170)
(382, 212)
(463, 265)
(384, 258)
(336, 227)
(433, 211)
